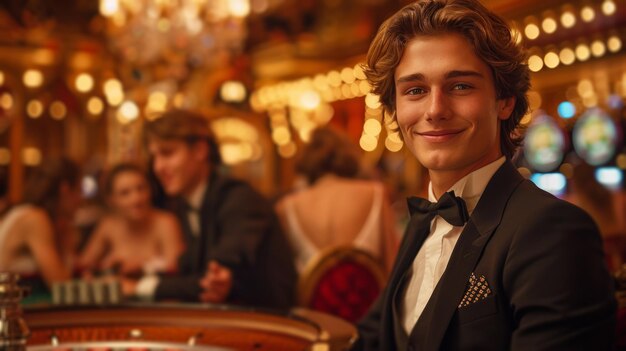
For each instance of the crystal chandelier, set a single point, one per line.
(181, 32)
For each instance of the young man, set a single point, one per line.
(235, 249)
(496, 264)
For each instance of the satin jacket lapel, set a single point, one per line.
(431, 327)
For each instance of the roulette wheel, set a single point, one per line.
(191, 327)
(85, 326)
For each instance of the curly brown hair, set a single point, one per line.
(488, 34)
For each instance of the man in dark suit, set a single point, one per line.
(235, 249)
(491, 262)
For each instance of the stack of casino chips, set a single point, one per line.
(87, 292)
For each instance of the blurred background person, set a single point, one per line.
(235, 248)
(134, 237)
(598, 201)
(337, 209)
(37, 238)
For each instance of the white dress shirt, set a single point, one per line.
(432, 259)
(195, 203)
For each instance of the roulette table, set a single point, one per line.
(184, 327)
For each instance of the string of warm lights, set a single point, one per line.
(567, 55)
(305, 104)
(567, 16)
(534, 28)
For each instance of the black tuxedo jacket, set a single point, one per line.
(542, 259)
(239, 230)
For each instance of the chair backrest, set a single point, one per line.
(342, 281)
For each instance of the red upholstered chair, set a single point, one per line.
(342, 281)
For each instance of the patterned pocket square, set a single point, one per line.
(477, 289)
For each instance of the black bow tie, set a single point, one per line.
(450, 207)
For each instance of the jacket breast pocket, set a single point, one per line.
(480, 309)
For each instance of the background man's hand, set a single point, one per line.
(216, 283)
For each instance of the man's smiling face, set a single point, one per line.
(446, 105)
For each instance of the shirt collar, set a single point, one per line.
(472, 186)
(195, 199)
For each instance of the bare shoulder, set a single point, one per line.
(33, 218)
(33, 223)
(31, 211)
